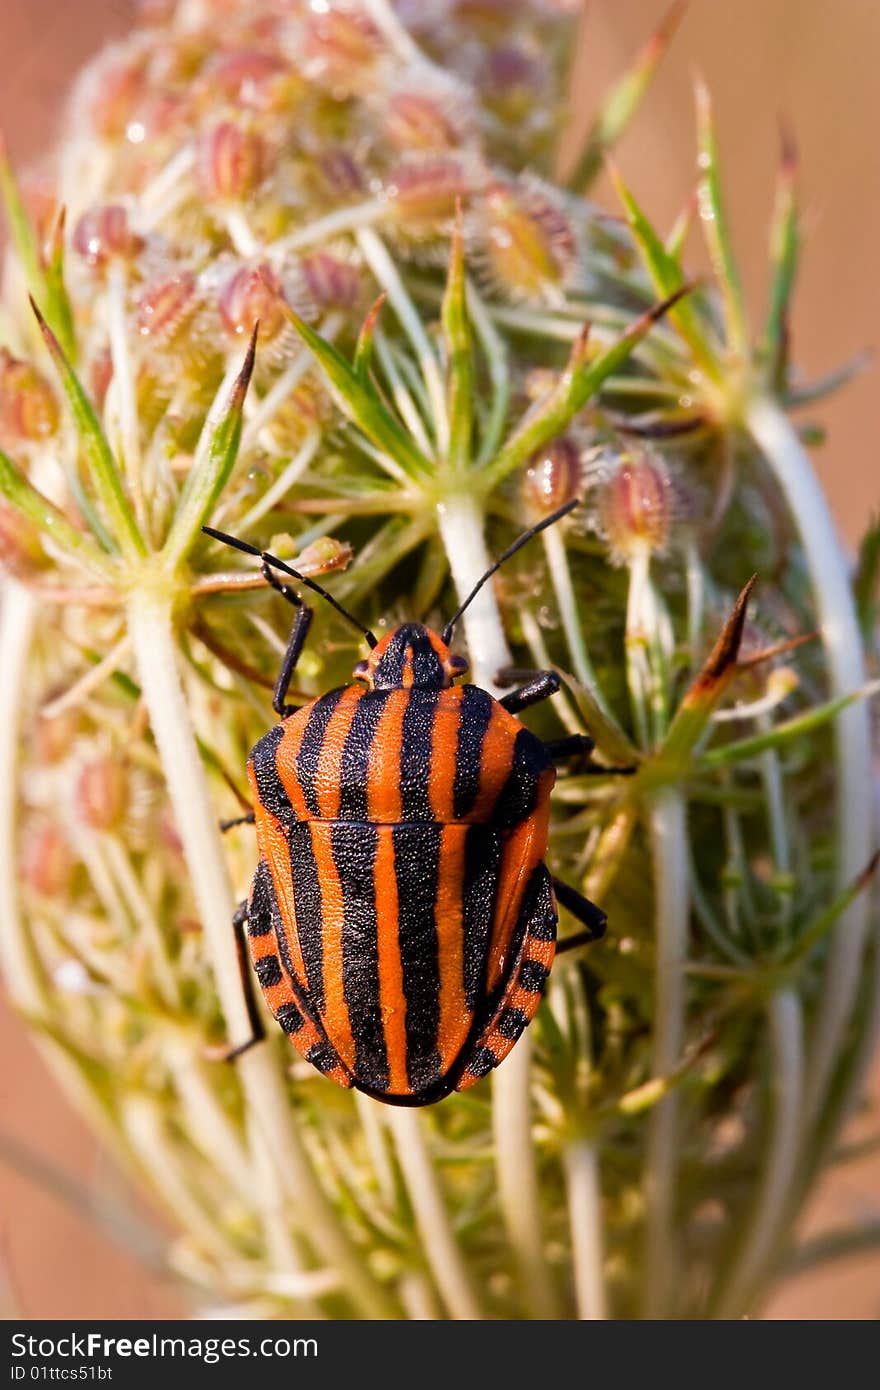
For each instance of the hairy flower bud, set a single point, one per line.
(419, 121)
(103, 234)
(528, 242)
(253, 292)
(425, 192)
(329, 281)
(635, 503)
(28, 405)
(341, 47)
(45, 860)
(21, 546)
(231, 163)
(166, 305)
(101, 793)
(552, 477)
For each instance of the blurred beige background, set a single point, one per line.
(815, 62)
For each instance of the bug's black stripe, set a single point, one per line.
(410, 643)
(355, 760)
(479, 890)
(415, 755)
(354, 854)
(309, 754)
(476, 711)
(543, 918)
(268, 971)
(260, 905)
(307, 906)
(519, 794)
(271, 792)
(416, 861)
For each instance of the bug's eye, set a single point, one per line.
(457, 665)
(360, 670)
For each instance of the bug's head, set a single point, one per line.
(410, 656)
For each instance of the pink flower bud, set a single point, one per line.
(28, 406)
(425, 192)
(54, 738)
(119, 86)
(253, 292)
(553, 477)
(21, 546)
(512, 81)
(102, 234)
(250, 78)
(45, 860)
(339, 172)
(165, 305)
(329, 281)
(341, 47)
(101, 793)
(231, 162)
(418, 121)
(635, 504)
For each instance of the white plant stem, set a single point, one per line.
(267, 1100)
(461, 524)
(441, 1248)
(854, 819)
(324, 229)
(18, 609)
(461, 521)
(781, 1155)
(376, 255)
(668, 836)
(518, 1190)
(560, 574)
(584, 1200)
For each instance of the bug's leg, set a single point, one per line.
(541, 686)
(240, 920)
(237, 820)
(298, 634)
(559, 750)
(593, 917)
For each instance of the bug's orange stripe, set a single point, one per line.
(391, 997)
(496, 760)
(406, 675)
(327, 778)
(275, 849)
(383, 769)
(285, 761)
(335, 1013)
(455, 1016)
(444, 748)
(524, 848)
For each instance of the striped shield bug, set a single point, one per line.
(402, 921)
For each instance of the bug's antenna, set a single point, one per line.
(372, 639)
(511, 550)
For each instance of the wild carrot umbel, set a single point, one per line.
(449, 344)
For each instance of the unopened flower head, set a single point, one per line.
(526, 240)
(103, 234)
(553, 477)
(634, 500)
(29, 410)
